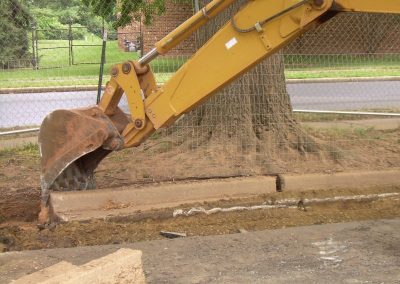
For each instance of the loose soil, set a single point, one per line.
(23, 236)
(162, 160)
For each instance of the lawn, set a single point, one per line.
(55, 69)
(314, 66)
(55, 53)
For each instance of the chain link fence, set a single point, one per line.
(306, 109)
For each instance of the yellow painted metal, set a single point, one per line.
(373, 6)
(229, 54)
(129, 82)
(133, 134)
(137, 83)
(191, 25)
(146, 79)
(111, 97)
(134, 137)
(125, 80)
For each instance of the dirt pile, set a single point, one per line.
(22, 236)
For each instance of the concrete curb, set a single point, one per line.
(343, 80)
(48, 89)
(123, 266)
(108, 203)
(69, 206)
(288, 81)
(376, 124)
(341, 180)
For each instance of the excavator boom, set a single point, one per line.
(73, 142)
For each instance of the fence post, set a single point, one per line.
(103, 59)
(34, 59)
(70, 44)
(37, 63)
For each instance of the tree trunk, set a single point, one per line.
(251, 120)
(248, 127)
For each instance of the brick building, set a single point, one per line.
(175, 14)
(130, 33)
(347, 33)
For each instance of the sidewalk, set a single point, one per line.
(358, 252)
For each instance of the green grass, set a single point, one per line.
(341, 66)
(83, 52)
(330, 117)
(54, 65)
(343, 73)
(55, 70)
(27, 150)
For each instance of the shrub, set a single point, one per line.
(50, 27)
(15, 23)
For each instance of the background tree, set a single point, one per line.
(250, 123)
(14, 27)
(125, 11)
(247, 128)
(53, 18)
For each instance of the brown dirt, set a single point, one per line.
(19, 185)
(20, 204)
(157, 160)
(161, 159)
(21, 236)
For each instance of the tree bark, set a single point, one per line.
(250, 123)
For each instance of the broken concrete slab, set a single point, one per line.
(376, 124)
(341, 180)
(356, 252)
(134, 201)
(123, 266)
(85, 205)
(46, 274)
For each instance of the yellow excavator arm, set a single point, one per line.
(73, 142)
(258, 30)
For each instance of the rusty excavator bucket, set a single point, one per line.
(73, 142)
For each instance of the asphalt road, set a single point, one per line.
(358, 252)
(30, 109)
